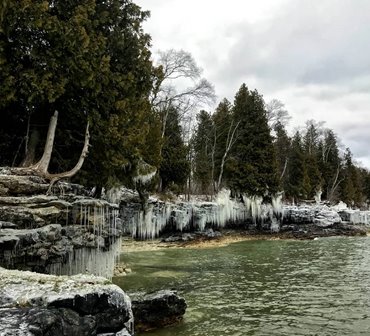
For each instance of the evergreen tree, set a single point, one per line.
(203, 145)
(366, 184)
(330, 165)
(87, 59)
(225, 135)
(175, 167)
(296, 169)
(312, 182)
(282, 149)
(351, 190)
(252, 166)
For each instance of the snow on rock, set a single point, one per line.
(354, 216)
(32, 303)
(321, 215)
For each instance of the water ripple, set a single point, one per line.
(260, 288)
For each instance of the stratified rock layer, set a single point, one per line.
(66, 232)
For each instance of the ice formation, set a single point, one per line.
(144, 172)
(89, 241)
(197, 215)
(149, 223)
(100, 255)
(144, 179)
(317, 197)
(359, 217)
(86, 260)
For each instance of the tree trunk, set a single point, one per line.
(29, 158)
(229, 143)
(77, 167)
(43, 165)
(284, 169)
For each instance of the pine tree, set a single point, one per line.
(252, 167)
(175, 167)
(312, 182)
(351, 190)
(330, 165)
(89, 60)
(225, 135)
(203, 145)
(296, 169)
(282, 147)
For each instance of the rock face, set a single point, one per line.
(63, 233)
(39, 304)
(311, 221)
(320, 215)
(157, 309)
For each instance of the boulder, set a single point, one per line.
(158, 309)
(38, 304)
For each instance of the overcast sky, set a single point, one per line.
(313, 55)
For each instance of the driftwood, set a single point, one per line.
(41, 167)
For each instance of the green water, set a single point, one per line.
(319, 287)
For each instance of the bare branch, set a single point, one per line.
(276, 113)
(180, 70)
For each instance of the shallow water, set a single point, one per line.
(319, 287)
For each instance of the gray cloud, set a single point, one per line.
(312, 55)
(308, 42)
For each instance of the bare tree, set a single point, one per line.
(179, 85)
(276, 112)
(336, 182)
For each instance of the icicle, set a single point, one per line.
(81, 214)
(317, 196)
(144, 179)
(67, 216)
(89, 260)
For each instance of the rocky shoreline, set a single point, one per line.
(68, 232)
(59, 251)
(226, 237)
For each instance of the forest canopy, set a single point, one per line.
(90, 60)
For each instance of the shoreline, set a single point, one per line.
(228, 237)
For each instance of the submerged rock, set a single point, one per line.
(158, 309)
(199, 235)
(38, 304)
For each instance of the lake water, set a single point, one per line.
(319, 287)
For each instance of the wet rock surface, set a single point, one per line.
(158, 309)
